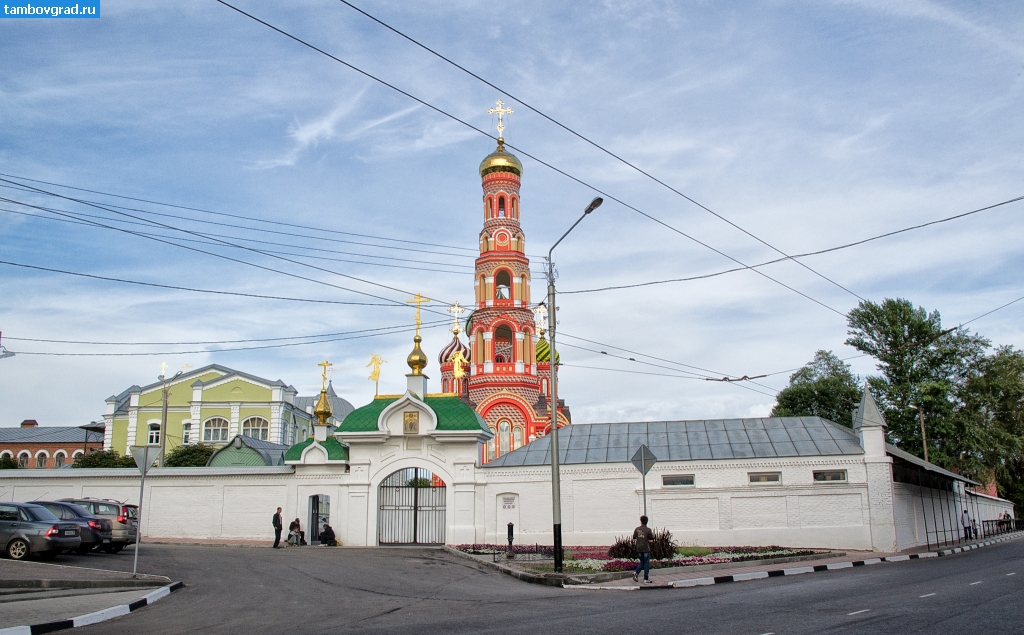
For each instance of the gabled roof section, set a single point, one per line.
(452, 415)
(49, 434)
(229, 373)
(335, 450)
(272, 453)
(690, 441)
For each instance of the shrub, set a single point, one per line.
(661, 547)
(197, 455)
(104, 458)
(8, 463)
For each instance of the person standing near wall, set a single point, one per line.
(643, 537)
(965, 520)
(278, 525)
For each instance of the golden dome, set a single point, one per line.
(417, 360)
(323, 408)
(501, 161)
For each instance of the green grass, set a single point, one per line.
(693, 551)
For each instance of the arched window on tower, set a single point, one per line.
(490, 207)
(517, 438)
(503, 286)
(505, 429)
(503, 345)
(490, 445)
(544, 386)
(501, 207)
(515, 207)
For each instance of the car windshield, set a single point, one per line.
(77, 510)
(37, 512)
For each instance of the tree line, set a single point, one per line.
(969, 392)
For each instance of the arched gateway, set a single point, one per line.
(411, 508)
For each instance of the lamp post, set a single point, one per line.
(924, 439)
(556, 488)
(163, 418)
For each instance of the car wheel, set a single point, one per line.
(115, 548)
(18, 549)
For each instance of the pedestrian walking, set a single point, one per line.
(278, 525)
(966, 521)
(643, 537)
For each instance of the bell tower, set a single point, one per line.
(504, 383)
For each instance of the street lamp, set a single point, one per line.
(163, 418)
(924, 440)
(556, 488)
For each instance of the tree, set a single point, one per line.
(103, 458)
(825, 387)
(920, 363)
(197, 455)
(8, 463)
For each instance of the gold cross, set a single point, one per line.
(500, 110)
(185, 367)
(456, 310)
(325, 365)
(163, 368)
(418, 300)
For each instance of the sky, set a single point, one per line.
(804, 125)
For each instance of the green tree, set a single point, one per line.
(197, 455)
(825, 387)
(103, 458)
(920, 364)
(8, 463)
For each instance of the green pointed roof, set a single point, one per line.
(335, 450)
(452, 415)
(543, 350)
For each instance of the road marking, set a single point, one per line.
(926, 595)
(859, 612)
(1014, 573)
(973, 583)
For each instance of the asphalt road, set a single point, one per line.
(318, 590)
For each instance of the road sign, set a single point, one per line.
(644, 459)
(145, 456)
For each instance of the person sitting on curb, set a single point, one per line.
(295, 534)
(327, 537)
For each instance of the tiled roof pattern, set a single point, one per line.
(690, 441)
(48, 434)
(335, 450)
(452, 414)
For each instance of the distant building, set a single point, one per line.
(49, 447)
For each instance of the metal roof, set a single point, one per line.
(690, 441)
(919, 462)
(48, 434)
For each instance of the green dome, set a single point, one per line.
(543, 350)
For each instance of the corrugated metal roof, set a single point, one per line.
(910, 458)
(690, 441)
(48, 434)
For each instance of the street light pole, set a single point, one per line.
(924, 439)
(163, 420)
(556, 487)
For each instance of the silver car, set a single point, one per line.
(27, 529)
(124, 519)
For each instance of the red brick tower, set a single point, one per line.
(504, 383)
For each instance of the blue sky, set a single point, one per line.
(808, 124)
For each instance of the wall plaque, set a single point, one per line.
(411, 423)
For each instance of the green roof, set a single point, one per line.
(452, 414)
(543, 352)
(335, 450)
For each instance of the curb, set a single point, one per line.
(758, 575)
(80, 584)
(95, 617)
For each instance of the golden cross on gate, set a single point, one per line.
(325, 365)
(418, 300)
(500, 110)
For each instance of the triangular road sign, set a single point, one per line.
(145, 456)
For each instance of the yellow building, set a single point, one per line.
(211, 405)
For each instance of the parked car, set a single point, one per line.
(124, 519)
(26, 529)
(96, 532)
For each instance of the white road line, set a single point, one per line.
(973, 583)
(927, 595)
(859, 612)
(1014, 573)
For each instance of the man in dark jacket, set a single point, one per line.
(643, 537)
(278, 525)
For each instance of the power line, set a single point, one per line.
(804, 255)
(265, 339)
(270, 251)
(596, 145)
(193, 290)
(521, 151)
(221, 350)
(248, 218)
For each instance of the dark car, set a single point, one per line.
(123, 518)
(96, 532)
(27, 528)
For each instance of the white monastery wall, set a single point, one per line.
(919, 510)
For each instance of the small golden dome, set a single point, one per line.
(501, 161)
(417, 360)
(323, 408)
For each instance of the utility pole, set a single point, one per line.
(163, 417)
(924, 439)
(556, 488)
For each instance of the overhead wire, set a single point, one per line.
(523, 152)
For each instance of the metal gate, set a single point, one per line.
(412, 504)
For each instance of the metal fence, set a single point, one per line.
(996, 527)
